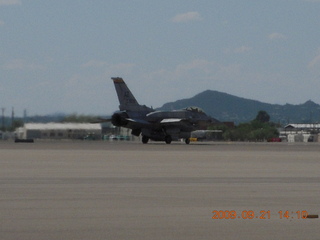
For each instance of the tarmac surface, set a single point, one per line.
(128, 190)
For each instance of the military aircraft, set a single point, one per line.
(156, 125)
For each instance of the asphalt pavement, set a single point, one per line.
(124, 190)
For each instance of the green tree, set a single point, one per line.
(75, 118)
(259, 129)
(16, 124)
(262, 116)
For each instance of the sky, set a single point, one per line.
(59, 56)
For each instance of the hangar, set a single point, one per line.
(301, 132)
(59, 131)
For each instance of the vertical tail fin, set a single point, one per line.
(126, 99)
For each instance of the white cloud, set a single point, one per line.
(315, 62)
(112, 68)
(277, 36)
(238, 50)
(187, 17)
(1, 23)
(126, 67)
(20, 64)
(242, 49)
(196, 70)
(10, 2)
(95, 63)
(196, 66)
(193, 77)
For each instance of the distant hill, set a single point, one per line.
(226, 107)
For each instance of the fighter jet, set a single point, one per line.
(156, 125)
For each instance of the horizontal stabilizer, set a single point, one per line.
(141, 121)
(101, 120)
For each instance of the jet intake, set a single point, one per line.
(119, 119)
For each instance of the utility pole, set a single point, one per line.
(12, 117)
(3, 109)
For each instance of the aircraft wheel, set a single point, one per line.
(145, 139)
(168, 139)
(187, 140)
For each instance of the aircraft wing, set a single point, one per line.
(180, 123)
(184, 124)
(171, 120)
(136, 123)
(133, 121)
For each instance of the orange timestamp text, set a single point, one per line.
(263, 214)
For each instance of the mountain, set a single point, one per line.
(226, 107)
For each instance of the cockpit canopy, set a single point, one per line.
(195, 109)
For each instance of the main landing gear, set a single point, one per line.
(167, 139)
(145, 139)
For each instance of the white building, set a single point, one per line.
(301, 132)
(59, 131)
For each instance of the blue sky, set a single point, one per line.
(59, 56)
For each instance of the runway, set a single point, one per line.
(123, 190)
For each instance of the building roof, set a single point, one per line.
(303, 125)
(62, 126)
